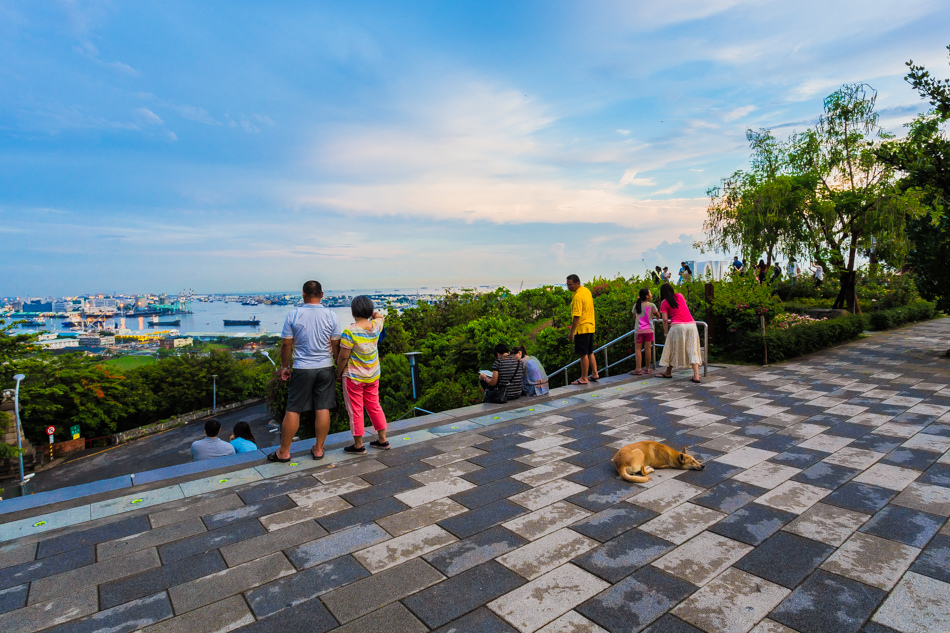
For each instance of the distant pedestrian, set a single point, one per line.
(644, 312)
(686, 273)
(761, 271)
(738, 266)
(655, 275)
(211, 445)
(681, 348)
(819, 274)
(242, 439)
(312, 334)
(794, 270)
(582, 329)
(666, 275)
(358, 367)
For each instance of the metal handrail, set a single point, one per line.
(413, 412)
(607, 364)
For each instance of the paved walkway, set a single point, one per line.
(823, 508)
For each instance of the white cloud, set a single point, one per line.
(623, 132)
(149, 117)
(669, 190)
(630, 178)
(738, 113)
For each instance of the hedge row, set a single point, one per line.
(805, 339)
(894, 317)
(801, 339)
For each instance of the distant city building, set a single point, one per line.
(175, 342)
(97, 340)
(58, 343)
(65, 306)
(105, 305)
(37, 306)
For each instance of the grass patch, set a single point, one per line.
(131, 362)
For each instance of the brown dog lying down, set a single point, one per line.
(635, 462)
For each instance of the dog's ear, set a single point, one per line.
(685, 449)
(682, 458)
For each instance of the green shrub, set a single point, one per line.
(802, 339)
(895, 317)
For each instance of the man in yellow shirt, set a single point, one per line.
(582, 328)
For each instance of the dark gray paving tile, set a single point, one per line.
(13, 598)
(497, 471)
(366, 513)
(874, 627)
(714, 474)
(595, 457)
(478, 621)
(460, 594)
(474, 521)
(848, 429)
(270, 488)
(309, 616)
(251, 511)
(505, 430)
(934, 561)
(158, 579)
(729, 496)
(776, 443)
(621, 556)
(612, 522)
(904, 525)
(131, 616)
(911, 458)
(936, 475)
(828, 603)
(92, 536)
(798, 457)
(860, 497)
(786, 559)
(603, 496)
(636, 601)
(591, 441)
(501, 454)
(365, 596)
(231, 533)
(753, 523)
(489, 493)
(407, 455)
(335, 545)
(594, 475)
(393, 473)
(295, 590)
(940, 429)
(671, 624)
(381, 491)
(877, 443)
(826, 475)
(57, 564)
(474, 550)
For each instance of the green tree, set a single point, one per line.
(924, 158)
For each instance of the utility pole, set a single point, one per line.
(214, 393)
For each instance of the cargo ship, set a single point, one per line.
(251, 321)
(164, 323)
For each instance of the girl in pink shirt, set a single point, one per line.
(682, 337)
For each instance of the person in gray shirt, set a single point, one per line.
(211, 446)
(312, 335)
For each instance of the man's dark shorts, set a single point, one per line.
(311, 389)
(584, 344)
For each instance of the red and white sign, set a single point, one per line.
(50, 430)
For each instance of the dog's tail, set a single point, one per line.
(637, 479)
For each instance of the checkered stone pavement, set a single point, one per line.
(823, 508)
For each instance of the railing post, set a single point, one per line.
(606, 363)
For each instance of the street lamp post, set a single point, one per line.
(267, 356)
(19, 442)
(214, 393)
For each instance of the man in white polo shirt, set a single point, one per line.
(312, 333)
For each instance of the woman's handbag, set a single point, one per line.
(496, 395)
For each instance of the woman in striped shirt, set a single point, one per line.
(358, 367)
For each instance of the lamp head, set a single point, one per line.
(19, 377)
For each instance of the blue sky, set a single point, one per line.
(236, 146)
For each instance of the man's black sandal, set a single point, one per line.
(273, 458)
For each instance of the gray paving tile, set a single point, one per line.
(290, 591)
(364, 596)
(192, 509)
(871, 560)
(16, 553)
(208, 589)
(732, 603)
(337, 544)
(361, 514)
(918, 604)
(220, 617)
(474, 550)
(420, 516)
(36, 617)
(131, 616)
(254, 510)
(479, 621)
(232, 533)
(45, 589)
(152, 538)
(462, 593)
(13, 598)
(33, 570)
(151, 581)
(259, 546)
(636, 601)
(394, 617)
(92, 536)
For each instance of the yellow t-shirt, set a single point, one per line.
(582, 305)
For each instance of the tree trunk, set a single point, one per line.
(847, 296)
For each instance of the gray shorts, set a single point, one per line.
(311, 389)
